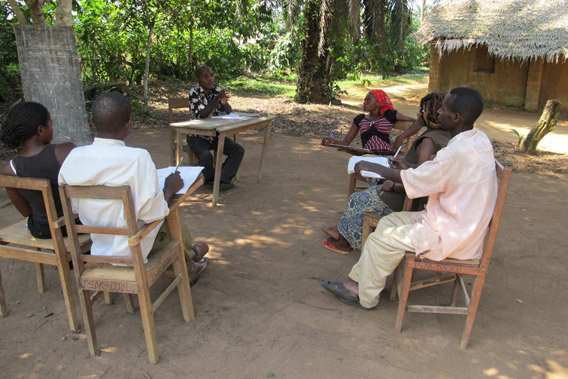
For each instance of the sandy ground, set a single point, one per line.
(260, 312)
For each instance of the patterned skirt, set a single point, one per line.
(351, 224)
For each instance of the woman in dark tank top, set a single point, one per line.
(28, 126)
(389, 197)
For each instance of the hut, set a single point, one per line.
(513, 51)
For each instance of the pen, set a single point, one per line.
(395, 154)
(181, 160)
(331, 136)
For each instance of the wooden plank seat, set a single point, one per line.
(101, 273)
(16, 242)
(452, 270)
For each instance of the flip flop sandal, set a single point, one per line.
(331, 232)
(334, 249)
(355, 304)
(339, 290)
(200, 249)
(201, 266)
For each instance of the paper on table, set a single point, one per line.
(384, 161)
(189, 175)
(232, 116)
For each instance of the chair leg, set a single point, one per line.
(129, 304)
(472, 311)
(352, 182)
(403, 297)
(394, 287)
(40, 278)
(107, 298)
(3, 309)
(455, 292)
(148, 324)
(65, 279)
(88, 320)
(184, 291)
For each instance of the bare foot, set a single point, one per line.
(352, 286)
(332, 232)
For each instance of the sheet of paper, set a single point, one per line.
(384, 161)
(189, 175)
(232, 116)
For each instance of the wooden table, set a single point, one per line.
(219, 127)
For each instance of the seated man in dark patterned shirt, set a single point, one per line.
(207, 99)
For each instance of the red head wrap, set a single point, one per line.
(383, 100)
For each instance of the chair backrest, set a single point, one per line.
(503, 178)
(176, 103)
(33, 184)
(122, 194)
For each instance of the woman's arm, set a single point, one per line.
(351, 134)
(426, 150)
(414, 128)
(19, 202)
(402, 117)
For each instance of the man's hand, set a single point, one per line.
(326, 141)
(173, 183)
(387, 186)
(398, 163)
(363, 166)
(224, 96)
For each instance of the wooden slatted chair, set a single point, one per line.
(133, 277)
(16, 242)
(178, 103)
(452, 270)
(354, 178)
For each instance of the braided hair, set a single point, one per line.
(22, 123)
(429, 106)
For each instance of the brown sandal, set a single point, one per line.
(200, 249)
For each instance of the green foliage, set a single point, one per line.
(520, 137)
(9, 68)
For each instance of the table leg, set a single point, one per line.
(218, 162)
(179, 146)
(264, 149)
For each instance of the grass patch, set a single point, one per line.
(264, 86)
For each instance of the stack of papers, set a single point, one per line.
(232, 116)
(189, 174)
(384, 161)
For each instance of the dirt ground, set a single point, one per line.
(260, 312)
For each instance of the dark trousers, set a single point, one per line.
(231, 149)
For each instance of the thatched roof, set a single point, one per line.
(511, 29)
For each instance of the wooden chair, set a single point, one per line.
(453, 270)
(16, 242)
(134, 277)
(354, 178)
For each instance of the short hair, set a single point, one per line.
(22, 123)
(111, 111)
(200, 69)
(468, 102)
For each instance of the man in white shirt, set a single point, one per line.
(108, 161)
(461, 184)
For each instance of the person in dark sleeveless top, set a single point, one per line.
(375, 127)
(389, 197)
(28, 126)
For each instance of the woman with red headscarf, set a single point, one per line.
(375, 127)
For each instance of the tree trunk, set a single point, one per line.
(51, 75)
(147, 68)
(63, 13)
(18, 12)
(546, 124)
(314, 80)
(190, 65)
(36, 11)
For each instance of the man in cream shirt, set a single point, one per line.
(108, 161)
(461, 184)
